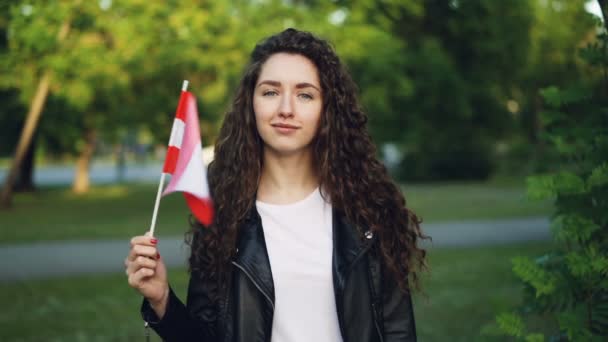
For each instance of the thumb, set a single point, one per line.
(148, 233)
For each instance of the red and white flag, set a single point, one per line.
(184, 160)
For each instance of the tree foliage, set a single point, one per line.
(570, 284)
(436, 76)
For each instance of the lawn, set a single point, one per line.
(465, 290)
(112, 211)
(474, 200)
(467, 287)
(122, 211)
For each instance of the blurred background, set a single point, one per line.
(490, 114)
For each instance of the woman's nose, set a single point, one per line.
(286, 107)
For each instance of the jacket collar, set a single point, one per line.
(252, 253)
(348, 247)
(346, 244)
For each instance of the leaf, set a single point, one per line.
(579, 264)
(574, 94)
(573, 227)
(548, 186)
(568, 183)
(573, 323)
(599, 313)
(552, 96)
(511, 323)
(592, 54)
(530, 272)
(540, 187)
(599, 176)
(556, 97)
(535, 337)
(549, 117)
(563, 145)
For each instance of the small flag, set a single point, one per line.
(184, 160)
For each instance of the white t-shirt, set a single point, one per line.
(299, 242)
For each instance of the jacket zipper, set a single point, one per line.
(255, 283)
(147, 331)
(352, 265)
(375, 306)
(375, 313)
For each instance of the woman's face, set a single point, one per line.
(287, 102)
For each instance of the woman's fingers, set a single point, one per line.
(141, 262)
(137, 250)
(143, 254)
(145, 240)
(135, 279)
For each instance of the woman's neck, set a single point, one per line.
(287, 178)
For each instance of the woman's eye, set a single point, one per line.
(305, 96)
(270, 93)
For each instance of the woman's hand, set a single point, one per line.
(147, 272)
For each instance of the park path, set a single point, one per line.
(99, 173)
(64, 258)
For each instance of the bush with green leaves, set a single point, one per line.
(569, 285)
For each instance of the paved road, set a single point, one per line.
(56, 259)
(100, 173)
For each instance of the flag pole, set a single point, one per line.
(161, 183)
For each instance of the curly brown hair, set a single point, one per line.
(350, 174)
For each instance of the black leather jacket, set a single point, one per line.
(369, 304)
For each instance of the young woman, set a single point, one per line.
(311, 240)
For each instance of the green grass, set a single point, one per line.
(466, 289)
(475, 200)
(118, 211)
(91, 308)
(122, 211)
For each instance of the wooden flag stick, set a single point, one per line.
(161, 184)
(157, 202)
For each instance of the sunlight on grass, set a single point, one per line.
(106, 192)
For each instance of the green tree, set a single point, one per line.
(559, 29)
(570, 284)
(448, 68)
(120, 66)
(35, 109)
(10, 112)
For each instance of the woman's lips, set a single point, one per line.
(285, 128)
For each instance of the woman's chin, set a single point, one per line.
(287, 150)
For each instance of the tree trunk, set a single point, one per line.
(25, 179)
(81, 177)
(31, 122)
(29, 128)
(121, 162)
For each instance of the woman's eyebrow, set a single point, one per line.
(306, 85)
(269, 82)
(298, 86)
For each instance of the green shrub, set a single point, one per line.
(570, 284)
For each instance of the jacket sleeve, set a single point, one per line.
(398, 313)
(195, 321)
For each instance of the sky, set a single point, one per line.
(593, 7)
